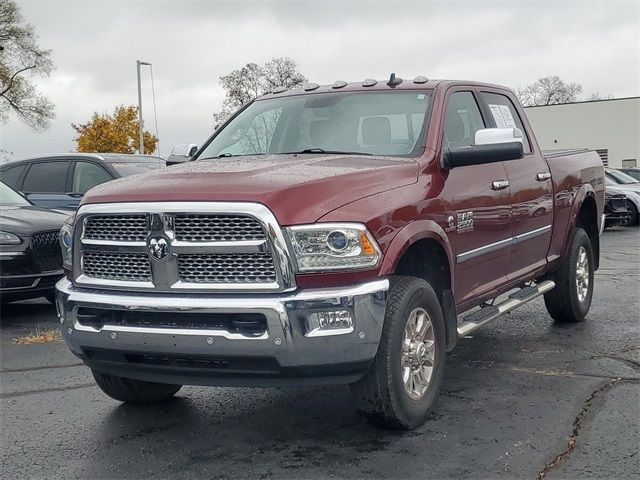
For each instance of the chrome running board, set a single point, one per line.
(478, 319)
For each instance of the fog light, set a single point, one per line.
(336, 322)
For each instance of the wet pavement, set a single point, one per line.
(522, 398)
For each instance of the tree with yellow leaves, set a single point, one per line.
(117, 133)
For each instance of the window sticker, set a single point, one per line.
(508, 118)
(421, 96)
(496, 111)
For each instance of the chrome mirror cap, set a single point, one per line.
(490, 136)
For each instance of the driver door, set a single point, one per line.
(481, 197)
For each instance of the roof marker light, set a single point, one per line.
(339, 84)
(279, 89)
(394, 81)
(311, 86)
(420, 79)
(369, 82)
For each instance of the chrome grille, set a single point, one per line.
(217, 228)
(46, 252)
(211, 246)
(132, 267)
(120, 228)
(223, 268)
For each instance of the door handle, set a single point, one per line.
(542, 176)
(499, 184)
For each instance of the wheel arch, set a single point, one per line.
(585, 216)
(422, 250)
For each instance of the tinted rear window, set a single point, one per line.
(46, 177)
(11, 175)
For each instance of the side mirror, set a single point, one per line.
(491, 136)
(492, 145)
(181, 153)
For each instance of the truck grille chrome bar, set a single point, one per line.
(182, 246)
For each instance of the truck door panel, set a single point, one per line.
(480, 229)
(531, 192)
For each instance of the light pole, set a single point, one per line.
(138, 65)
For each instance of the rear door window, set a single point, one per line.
(11, 175)
(46, 177)
(504, 114)
(87, 175)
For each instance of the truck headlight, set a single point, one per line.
(66, 242)
(8, 238)
(333, 246)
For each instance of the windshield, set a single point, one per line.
(9, 196)
(370, 123)
(621, 177)
(132, 168)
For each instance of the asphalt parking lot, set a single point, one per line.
(523, 398)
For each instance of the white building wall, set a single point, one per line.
(613, 125)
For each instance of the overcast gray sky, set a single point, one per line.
(192, 43)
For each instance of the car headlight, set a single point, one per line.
(66, 242)
(7, 238)
(333, 246)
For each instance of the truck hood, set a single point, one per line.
(297, 188)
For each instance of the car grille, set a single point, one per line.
(618, 202)
(131, 267)
(120, 228)
(46, 251)
(217, 228)
(222, 251)
(237, 268)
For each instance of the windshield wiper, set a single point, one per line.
(330, 152)
(227, 155)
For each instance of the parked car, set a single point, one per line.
(30, 256)
(616, 211)
(181, 153)
(632, 172)
(623, 183)
(331, 234)
(60, 181)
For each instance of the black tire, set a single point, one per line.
(563, 302)
(633, 214)
(380, 396)
(134, 391)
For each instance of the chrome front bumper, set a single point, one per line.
(292, 355)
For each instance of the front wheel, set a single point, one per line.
(570, 300)
(138, 392)
(405, 377)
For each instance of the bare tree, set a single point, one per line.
(598, 96)
(20, 55)
(282, 72)
(5, 155)
(243, 85)
(549, 91)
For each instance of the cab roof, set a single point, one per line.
(393, 83)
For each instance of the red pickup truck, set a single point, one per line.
(348, 233)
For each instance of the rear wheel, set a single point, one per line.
(570, 300)
(134, 391)
(407, 372)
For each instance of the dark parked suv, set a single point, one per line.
(60, 181)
